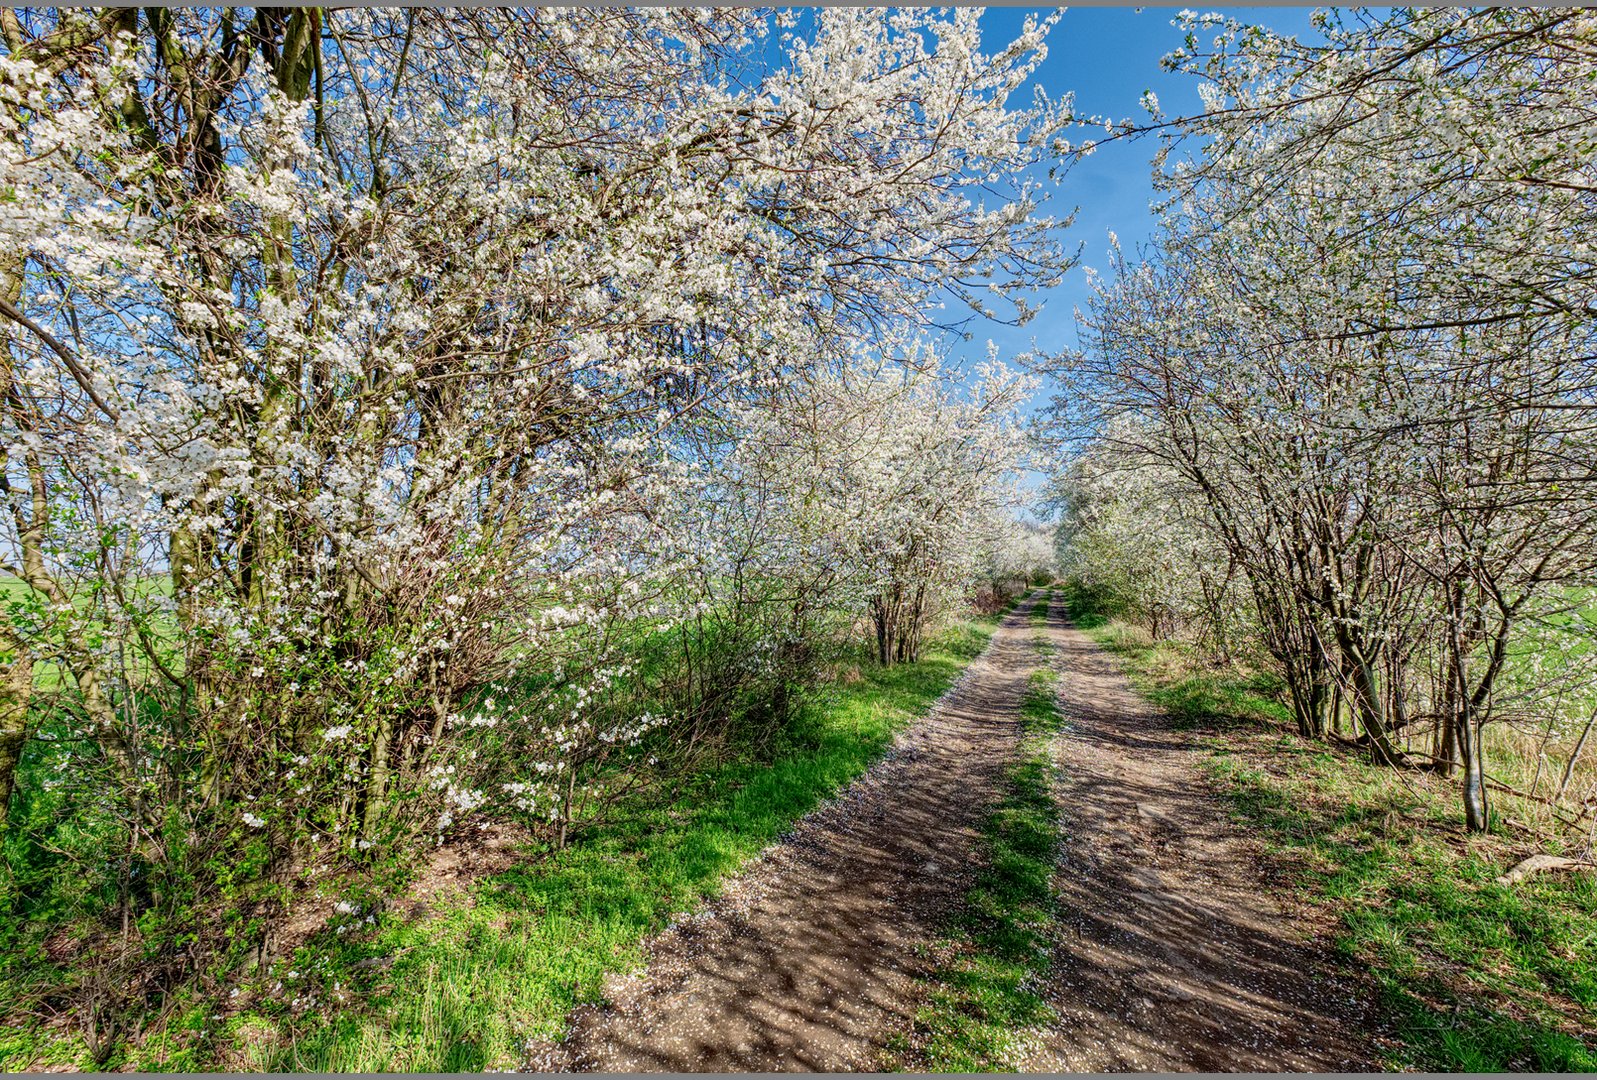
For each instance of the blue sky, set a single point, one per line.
(1108, 57)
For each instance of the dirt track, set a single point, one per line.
(807, 960)
(1173, 955)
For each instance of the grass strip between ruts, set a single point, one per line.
(984, 999)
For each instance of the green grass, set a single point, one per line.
(471, 985)
(1471, 975)
(50, 677)
(984, 1000)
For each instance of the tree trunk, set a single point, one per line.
(1476, 810)
(1369, 702)
(883, 633)
(1446, 752)
(16, 687)
(1466, 731)
(565, 810)
(377, 785)
(16, 669)
(1574, 756)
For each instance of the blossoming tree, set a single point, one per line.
(359, 366)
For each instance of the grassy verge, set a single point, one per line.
(1471, 975)
(984, 999)
(494, 968)
(489, 969)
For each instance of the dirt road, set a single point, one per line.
(1173, 955)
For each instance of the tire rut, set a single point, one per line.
(1175, 952)
(809, 959)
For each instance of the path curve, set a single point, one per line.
(808, 959)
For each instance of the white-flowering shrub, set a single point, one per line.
(371, 376)
(1361, 345)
